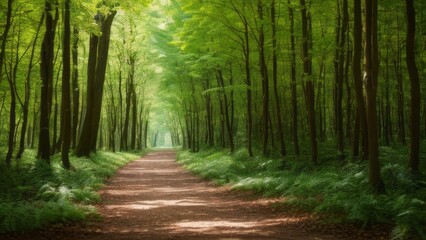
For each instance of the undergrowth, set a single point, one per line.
(34, 194)
(338, 190)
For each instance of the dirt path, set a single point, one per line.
(155, 198)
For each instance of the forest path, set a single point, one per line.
(155, 198)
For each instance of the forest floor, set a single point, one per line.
(156, 198)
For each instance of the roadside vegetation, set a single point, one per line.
(338, 190)
(36, 194)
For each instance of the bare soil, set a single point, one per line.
(155, 198)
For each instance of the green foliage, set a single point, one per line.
(35, 194)
(340, 191)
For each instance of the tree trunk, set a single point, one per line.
(275, 79)
(226, 111)
(371, 63)
(46, 72)
(134, 120)
(265, 81)
(12, 119)
(248, 91)
(357, 75)
(75, 88)
(66, 89)
(98, 55)
(101, 64)
(415, 87)
(307, 69)
(293, 82)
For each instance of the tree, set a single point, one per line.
(307, 76)
(415, 87)
(66, 89)
(98, 55)
(357, 75)
(46, 72)
(371, 72)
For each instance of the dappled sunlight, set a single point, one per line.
(146, 205)
(236, 225)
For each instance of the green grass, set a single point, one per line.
(341, 191)
(34, 194)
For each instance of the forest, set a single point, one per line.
(320, 102)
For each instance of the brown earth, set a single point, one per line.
(155, 198)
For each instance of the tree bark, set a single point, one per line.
(75, 88)
(275, 79)
(98, 55)
(357, 75)
(371, 63)
(293, 81)
(265, 81)
(66, 89)
(415, 87)
(46, 72)
(307, 69)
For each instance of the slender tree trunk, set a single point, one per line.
(66, 89)
(84, 137)
(226, 111)
(46, 72)
(275, 79)
(415, 88)
(309, 87)
(75, 89)
(12, 118)
(357, 75)
(293, 82)
(134, 120)
(371, 51)
(265, 81)
(248, 91)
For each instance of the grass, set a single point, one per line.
(34, 194)
(341, 191)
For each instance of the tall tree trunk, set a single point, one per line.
(46, 72)
(134, 120)
(309, 86)
(415, 87)
(98, 55)
(66, 89)
(275, 79)
(265, 80)
(357, 75)
(371, 63)
(83, 148)
(248, 91)
(12, 116)
(75, 88)
(101, 64)
(293, 81)
(226, 111)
